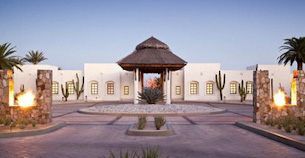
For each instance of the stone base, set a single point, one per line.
(31, 132)
(149, 130)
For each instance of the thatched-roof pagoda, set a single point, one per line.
(152, 56)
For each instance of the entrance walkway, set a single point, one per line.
(196, 136)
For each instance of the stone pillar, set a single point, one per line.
(136, 86)
(300, 86)
(4, 94)
(168, 86)
(44, 95)
(261, 95)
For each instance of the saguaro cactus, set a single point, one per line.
(219, 84)
(65, 92)
(242, 91)
(76, 86)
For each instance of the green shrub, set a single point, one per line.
(147, 152)
(159, 122)
(142, 119)
(151, 95)
(2, 120)
(7, 121)
(150, 152)
(287, 124)
(34, 123)
(300, 127)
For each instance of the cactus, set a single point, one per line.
(219, 84)
(242, 91)
(76, 86)
(65, 92)
(142, 119)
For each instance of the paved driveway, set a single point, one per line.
(195, 136)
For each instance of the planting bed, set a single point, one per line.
(151, 109)
(150, 130)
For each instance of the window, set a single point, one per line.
(233, 88)
(194, 88)
(178, 90)
(209, 88)
(94, 88)
(70, 88)
(126, 90)
(110, 88)
(55, 88)
(249, 87)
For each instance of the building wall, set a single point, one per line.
(201, 73)
(103, 74)
(236, 76)
(280, 74)
(63, 76)
(192, 72)
(177, 80)
(28, 75)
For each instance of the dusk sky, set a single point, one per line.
(70, 33)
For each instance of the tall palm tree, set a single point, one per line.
(7, 61)
(294, 52)
(35, 57)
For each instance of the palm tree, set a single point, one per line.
(35, 57)
(7, 61)
(294, 52)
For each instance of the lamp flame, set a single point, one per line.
(26, 99)
(279, 98)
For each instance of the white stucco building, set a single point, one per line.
(181, 81)
(109, 82)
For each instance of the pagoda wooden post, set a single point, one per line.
(136, 86)
(168, 85)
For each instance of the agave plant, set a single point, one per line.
(151, 95)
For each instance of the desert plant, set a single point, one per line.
(22, 126)
(287, 124)
(2, 120)
(7, 121)
(294, 52)
(65, 92)
(159, 122)
(127, 154)
(142, 119)
(34, 57)
(219, 84)
(242, 91)
(34, 123)
(151, 95)
(300, 127)
(79, 90)
(149, 152)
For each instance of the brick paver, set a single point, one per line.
(195, 136)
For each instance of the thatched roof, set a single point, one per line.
(152, 53)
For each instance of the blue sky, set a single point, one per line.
(233, 33)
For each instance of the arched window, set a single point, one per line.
(94, 87)
(55, 87)
(70, 88)
(233, 87)
(210, 87)
(110, 87)
(249, 87)
(194, 87)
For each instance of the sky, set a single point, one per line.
(235, 33)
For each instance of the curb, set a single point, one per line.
(271, 135)
(135, 132)
(153, 114)
(55, 127)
